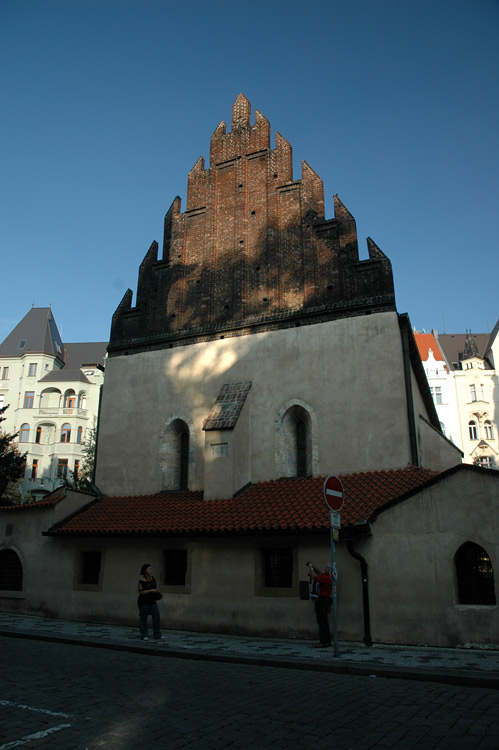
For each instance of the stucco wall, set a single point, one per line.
(349, 374)
(411, 557)
(413, 597)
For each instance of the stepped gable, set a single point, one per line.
(272, 506)
(252, 251)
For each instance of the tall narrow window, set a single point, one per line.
(24, 433)
(5, 373)
(475, 575)
(301, 449)
(473, 430)
(66, 433)
(76, 469)
(32, 370)
(489, 430)
(38, 438)
(29, 398)
(79, 435)
(62, 468)
(34, 468)
(71, 401)
(184, 461)
(472, 393)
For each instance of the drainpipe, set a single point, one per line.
(408, 389)
(368, 641)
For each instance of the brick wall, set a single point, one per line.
(252, 244)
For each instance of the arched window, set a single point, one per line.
(83, 400)
(489, 430)
(79, 435)
(175, 456)
(66, 433)
(474, 575)
(473, 430)
(70, 400)
(294, 441)
(38, 438)
(11, 571)
(24, 433)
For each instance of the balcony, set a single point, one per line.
(61, 411)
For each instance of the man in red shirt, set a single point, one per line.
(323, 604)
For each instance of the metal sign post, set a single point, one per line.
(334, 497)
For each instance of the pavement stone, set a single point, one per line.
(475, 667)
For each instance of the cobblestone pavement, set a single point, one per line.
(470, 666)
(70, 697)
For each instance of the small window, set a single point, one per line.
(473, 430)
(278, 568)
(486, 462)
(66, 433)
(5, 373)
(11, 571)
(90, 566)
(489, 430)
(472, 393)
(475, 575)
(24, 433)
(174, 567)
(29, 398)
(32, 370)
(79, 435)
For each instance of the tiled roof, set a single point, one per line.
(47, 502)
(37, 332)
(273, 506)
(227, 408)
(427, 341)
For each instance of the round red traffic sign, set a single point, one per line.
(334, 494)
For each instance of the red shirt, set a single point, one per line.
(325, 584)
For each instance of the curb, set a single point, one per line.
(489, 680)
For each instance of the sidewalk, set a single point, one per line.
(462, 666)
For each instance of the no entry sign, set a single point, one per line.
(333, 493)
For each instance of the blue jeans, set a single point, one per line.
(146, 610)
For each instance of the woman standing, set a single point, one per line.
(148, 594)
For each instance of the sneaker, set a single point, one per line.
(145, 638)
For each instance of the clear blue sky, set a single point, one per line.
(107, 104)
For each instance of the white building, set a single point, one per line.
(52, 390)
(464, 383)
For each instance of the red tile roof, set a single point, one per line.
(427, 341)
(278, 505)
(47, 502)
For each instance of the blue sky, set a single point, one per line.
(107, 104)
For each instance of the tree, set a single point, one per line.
(12, 463)
(83, 479)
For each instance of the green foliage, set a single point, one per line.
(12, 463)
(83, 480)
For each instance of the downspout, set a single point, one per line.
(408, 390)
(368, 641)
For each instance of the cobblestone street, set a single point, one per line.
(68, 696)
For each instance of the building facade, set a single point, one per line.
(464, 382)
(261, 355)
(52, 391)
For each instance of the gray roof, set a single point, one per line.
(86, 353)
(64, 376)
(453, 345)
(37, 332)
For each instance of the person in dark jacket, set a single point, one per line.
(148, 595)
(322, 603)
